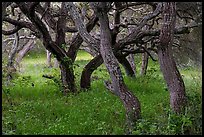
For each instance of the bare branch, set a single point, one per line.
(148, 53)
(19, 25)
(10, 32)
(80, 25)
(132, 51)
(21, 37)
(178, 30)
(47, 40)
(47, 17)
(142, 23)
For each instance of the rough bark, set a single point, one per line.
(91, 41)
(168, 66)
(54, 47)
(131, 103)
(92, 52)
(67, 75)
(125, 41)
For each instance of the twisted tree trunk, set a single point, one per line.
(167, 64)
(85, 82)
(118, 87)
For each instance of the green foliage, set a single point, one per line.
(63, 46)
(67, 60)
(34, 105)
(169, 123)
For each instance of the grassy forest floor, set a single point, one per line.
(32, 104)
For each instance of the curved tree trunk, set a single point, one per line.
(72, 52)
(91, 51)
(167, 64)
(85, 82)
(130, 102)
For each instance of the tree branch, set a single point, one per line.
(80, 26)
(10, 32)
(47, 40)
(141, 24)
(178, 30)
(19, 25)
(21, 37)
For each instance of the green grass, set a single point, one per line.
(38, 107)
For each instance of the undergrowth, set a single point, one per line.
(32, 104)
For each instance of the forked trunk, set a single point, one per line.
(56, 47)
(66, 64)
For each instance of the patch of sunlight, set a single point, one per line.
(82, 55)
